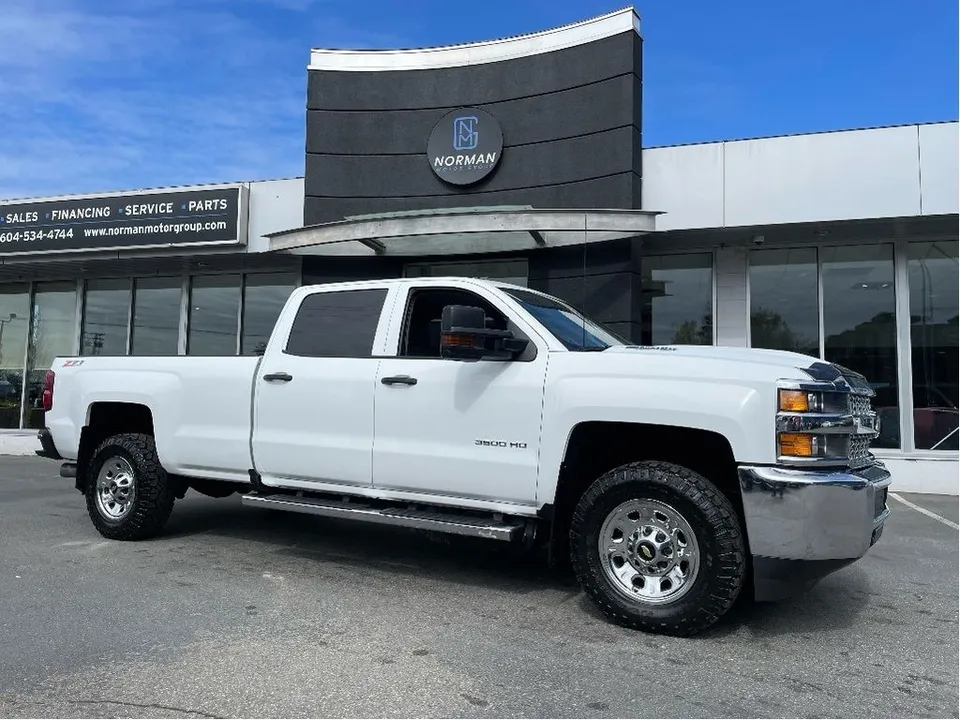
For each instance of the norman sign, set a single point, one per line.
(116, 222)
(465, 146)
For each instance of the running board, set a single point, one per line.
(438, 520)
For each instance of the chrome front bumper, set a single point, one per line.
(804, 524)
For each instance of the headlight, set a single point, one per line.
(811, 445)
(812, 401)
(799, 401)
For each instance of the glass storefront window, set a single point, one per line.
(264, 295)
(860, 327)
(106, 308)
(156, 316)
(784, 312)
(677, 299)
(933, 279)
(214, 314)
(14, 323)
(52, 333)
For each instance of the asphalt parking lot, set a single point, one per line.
(244, 612)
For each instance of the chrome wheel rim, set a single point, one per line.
(649, 552)
(116, 488)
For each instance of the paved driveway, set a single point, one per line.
(245, 612)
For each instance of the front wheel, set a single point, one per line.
(129, 495)
(658, 548)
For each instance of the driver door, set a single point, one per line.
(462, 429)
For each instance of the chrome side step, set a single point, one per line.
(438, 520)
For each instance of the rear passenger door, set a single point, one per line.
(314, 391)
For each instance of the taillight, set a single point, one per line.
(47, 397)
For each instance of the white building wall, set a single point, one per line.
(850, 175)
(939, 153)
(831, 176)
(274, 205)
(687, 183)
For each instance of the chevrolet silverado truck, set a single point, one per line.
(669, 479)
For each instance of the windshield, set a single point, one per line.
(575, 331)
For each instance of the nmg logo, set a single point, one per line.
(477, 142)
(465, 133)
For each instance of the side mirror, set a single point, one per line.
(464, 335)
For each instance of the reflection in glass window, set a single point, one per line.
(264, 295)
(106, 306)
(859, 324)
(933, 340)
(576, 331)
(677, 300)
(513, 271)
(52, 332)
(156, 316)
(214, 314)
(14, 321)
(783, 300)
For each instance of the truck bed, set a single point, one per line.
(201, 407)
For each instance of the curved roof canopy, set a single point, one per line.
(458, 231)
(509, 48)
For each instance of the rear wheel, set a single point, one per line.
(129, 496)
(658, 548)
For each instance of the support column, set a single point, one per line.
(732, 312)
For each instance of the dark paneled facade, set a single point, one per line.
(570, 119)
(571, 122)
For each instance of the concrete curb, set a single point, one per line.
(25, 443)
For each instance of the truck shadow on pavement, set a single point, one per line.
(409, 555)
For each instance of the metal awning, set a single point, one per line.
(459, 231)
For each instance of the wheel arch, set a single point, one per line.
(595, 447)
(104, 419)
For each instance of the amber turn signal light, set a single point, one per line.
(796, 445)
(794, 401)
(454, 340)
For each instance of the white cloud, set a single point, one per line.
(97, 96)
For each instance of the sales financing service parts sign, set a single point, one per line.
(465, 146)
(118, 222)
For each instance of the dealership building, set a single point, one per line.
(522, 159)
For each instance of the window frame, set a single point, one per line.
(714, 294)
(901, 278)
(289, 326)
(409, 297)
(905, 343)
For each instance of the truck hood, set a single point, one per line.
(789, 361)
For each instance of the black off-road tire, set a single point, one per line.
(722, 563)
(155, 494)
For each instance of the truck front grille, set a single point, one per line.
(858, 450)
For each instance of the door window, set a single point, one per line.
(337, 324)
(421, 334)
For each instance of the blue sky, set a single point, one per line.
(102, 95)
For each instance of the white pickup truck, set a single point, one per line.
(670, 477)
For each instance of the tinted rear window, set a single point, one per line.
(337, 324)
